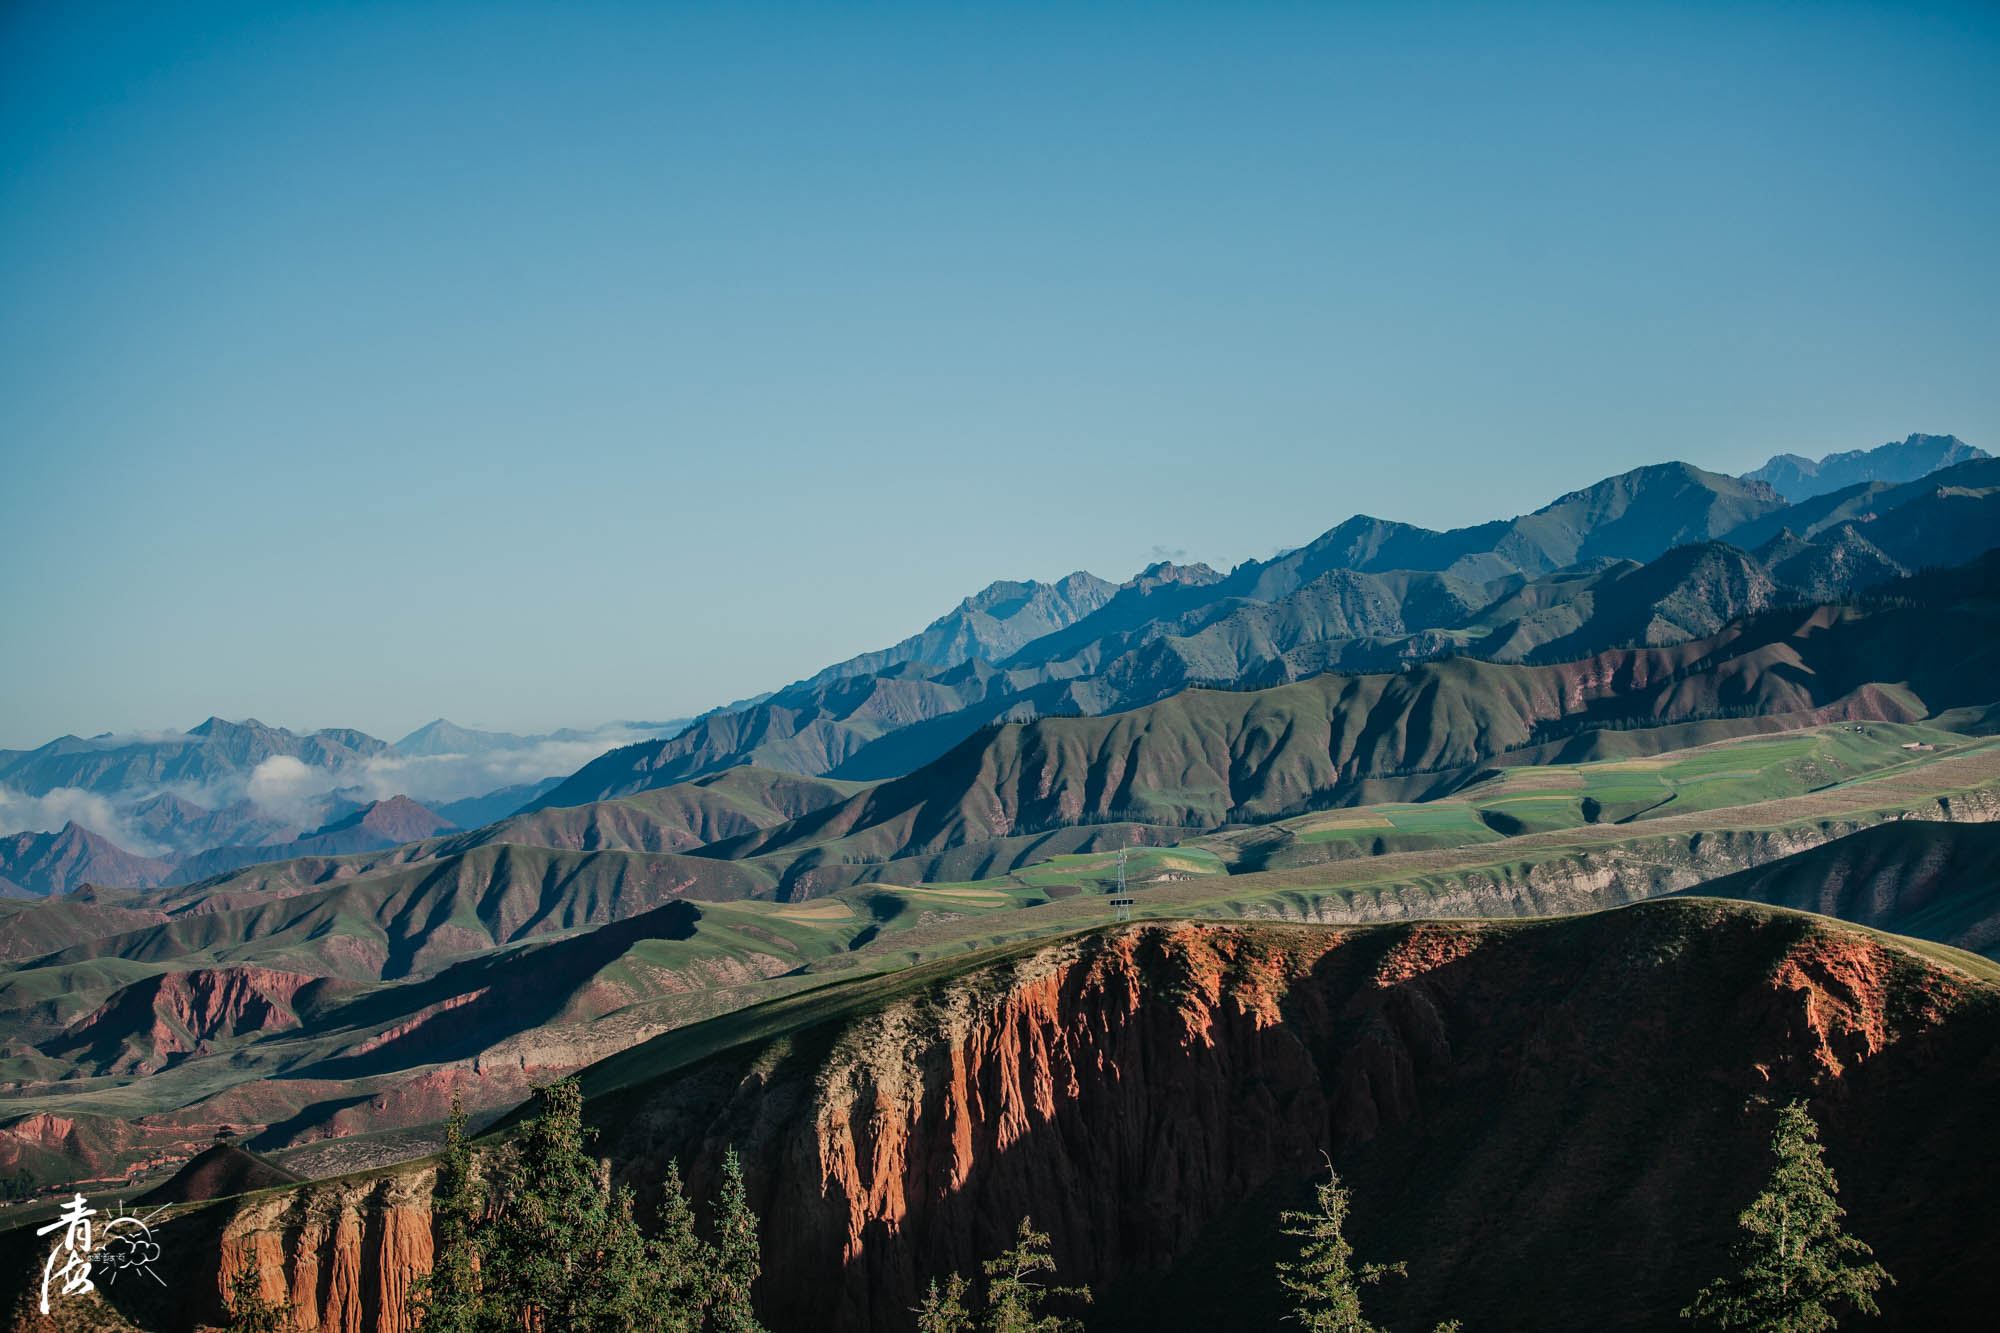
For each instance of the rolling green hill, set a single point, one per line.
(1209, 757)
(279, 1020)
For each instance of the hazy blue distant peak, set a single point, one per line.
(1797, 477)
(989, 625)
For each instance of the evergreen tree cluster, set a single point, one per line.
(552, 1248)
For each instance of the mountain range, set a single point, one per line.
(226, 794)
(1798, 478)
(858, 927)
(1655, 556)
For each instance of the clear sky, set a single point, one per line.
(542, 364)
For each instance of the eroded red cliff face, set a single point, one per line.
(1554, 1122)
(142, 1026)
(344, 1256)
(1132, 1090)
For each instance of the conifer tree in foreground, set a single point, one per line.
(446, 1299)
(1798, 1266)
(561, 1250)
(943, 1310)
(681, 1264)
(1013, 1296)
(1324, 1281)
(737, 1264)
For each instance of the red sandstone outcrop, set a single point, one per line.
(1556, 1116)
(144, 1024)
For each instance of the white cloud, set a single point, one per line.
(287, 788)
(21, 813)
(452, 777)
(294, 792)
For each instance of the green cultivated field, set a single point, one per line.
(1513, 842)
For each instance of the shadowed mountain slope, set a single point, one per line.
(415, 918)
(1688, 593)
(669, 819)
(219, 1173)
(1836, 563)
(1914, 877)
(682, 817)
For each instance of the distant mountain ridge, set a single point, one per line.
(990, 625)
(221, 791)
(1203, 758)
(204, 754)
(1658, 555)
(1799, 478)
(441, 736)
(1652, 556)
(379, 824)
(38, 864)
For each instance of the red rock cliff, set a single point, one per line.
(1131, 1089)
(1552, 1121)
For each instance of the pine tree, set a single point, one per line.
(1798, 1266)
(1324, 1280)
(249, 1312)
(1014, 1298)
(627, 1288)
(736, 1264)
(943, 1310)
(680, 1265)
(561, 1250)
(447, 1299)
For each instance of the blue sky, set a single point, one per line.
(541, 364)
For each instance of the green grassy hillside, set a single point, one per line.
(1205, 758)
(364, 1001)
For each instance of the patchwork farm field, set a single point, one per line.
(1512, 842)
